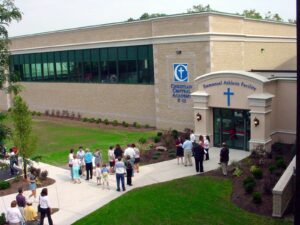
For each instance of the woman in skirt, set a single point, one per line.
(179, 150)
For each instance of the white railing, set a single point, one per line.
(284, 190)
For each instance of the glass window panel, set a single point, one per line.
(103, 54)
(16, 59)
(64, 56)
(142, 52)
(51, 70)
(95, 71)
(112, 54)
(33, 72)
(131, 53)
(58, 68)
(26, 69)
(50, 57)
(45, 71)
(38, 58)
(26, 59)
(128, 72)
(122, 53)
(78, 56)
(32, 58)
(87, 72)
(104, 72)
(86, 55)
(39, 71)
(95, 55)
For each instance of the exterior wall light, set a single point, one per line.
(178, 52)
(256, 122)
(198, 117)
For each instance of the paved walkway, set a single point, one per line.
(77, 200)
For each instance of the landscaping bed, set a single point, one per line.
(270, 167)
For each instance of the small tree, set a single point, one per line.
(22, 133)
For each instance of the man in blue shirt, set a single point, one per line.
(88, 159)
(187, 150)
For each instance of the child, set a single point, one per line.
(98, 174)
(111, 156)
(105, 172)
(129, 169)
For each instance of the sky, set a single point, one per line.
(50, 15)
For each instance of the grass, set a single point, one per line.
(55, 139)
(191, 200)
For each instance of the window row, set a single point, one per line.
(133, 65)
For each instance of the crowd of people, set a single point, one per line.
(187, 146)
(84, 163)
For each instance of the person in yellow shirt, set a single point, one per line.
(30, 214)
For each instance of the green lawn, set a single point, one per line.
(55, 139)
(191, 200)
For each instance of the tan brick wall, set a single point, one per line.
(169, 112)
(128, 103)
(226, 24)
(274, 56)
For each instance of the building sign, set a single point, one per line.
(229, 83)
(180, 72)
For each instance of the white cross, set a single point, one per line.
(181, 71)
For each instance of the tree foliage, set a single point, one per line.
(8, 13)
(271, 16)
(200, 8)
(22, 135)
(5, 132)
(252, 13)
(146, 16)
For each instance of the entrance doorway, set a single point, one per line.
(233, 127)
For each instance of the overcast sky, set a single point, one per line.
(49, 15)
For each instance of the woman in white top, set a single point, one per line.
(45, 207)
(111, 157)
(76, 166)
(13, 215)
(71, 157)
(206, 147)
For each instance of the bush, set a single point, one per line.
(174, 133)
(272, 168)
(134, 124)
(158, 153)
(237, 172)
(92, 120)
(85, 119)
(125, 124)
(172, 155)
(249, 184)
(278, 158)
(47, 113)
(33, 113)
(2, 219)
(98, 121)
(142, 140)
(4, 185)
(115, 123)
(138, 125)
(277, 147)
(147, 126)
(38, 113)
(44, 175)
(106, 122)
(159, 134)
(155, 157)
(280, 164)
(256, 197)
(257, 173)
(156, 139)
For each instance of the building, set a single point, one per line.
(227, 76)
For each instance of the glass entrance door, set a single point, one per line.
(233, 127)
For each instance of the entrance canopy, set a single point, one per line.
(234, 90)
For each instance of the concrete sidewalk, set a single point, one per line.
(77, 200)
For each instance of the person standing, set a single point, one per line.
(45, 207)
(13, 215)
(30, 214)
(137, 158)
(129, 170)
(21, 201)
(224, 158)
(32, 184)
(192, 136)
(98, 157)
(199, 156)
(111, 157)
(80, 156)
(75, 168)
(206, 147)
(88, 159)
(120, 171)
(187, 149)
(118, 151)
(179, 150)
(104, 172)
(71, 157)
(129, 151)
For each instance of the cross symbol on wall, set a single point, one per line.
(228, 93)
(181, 71)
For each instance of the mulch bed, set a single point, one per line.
(17, 183)
(155, 156)
(244, 200)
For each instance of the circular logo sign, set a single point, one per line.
(181, 73)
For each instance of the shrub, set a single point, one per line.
(257, 173)
(98, 121)
(256, 197)
(125, 124)
(147, 126)
(106, 122)
(280, 164)
(85, 119)
(79, 116)
(92, 120)
(4, 185)
(159, 134)
(172, 155)
(142, 140)
(134, 124)
(174, 133)
(47, 112)
(156, 139)
(57, 113)
(33, 113)
(236, 164)
(158, 153)
(252, 168)
(2, 219)
(38, 113)
(138, 125)
(44, 175)
(277, 147)
(278, 157)
(237, 172)
(155, 157)
(272, 168)
(115, 123)
(249, 184)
